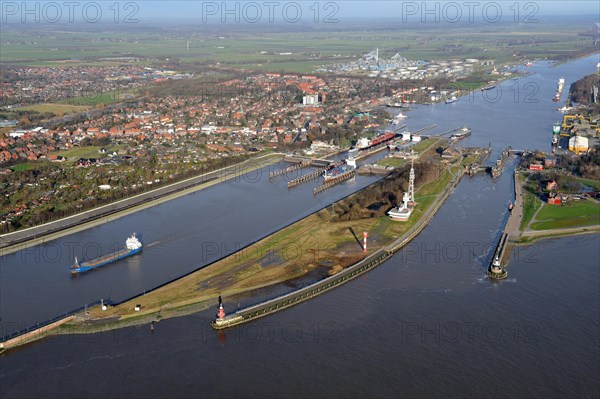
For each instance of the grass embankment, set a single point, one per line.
(531, 201)
(314, 244)
(580, 213)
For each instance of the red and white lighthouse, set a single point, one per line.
(221, 314)
(365, 235)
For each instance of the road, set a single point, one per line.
(33, 235)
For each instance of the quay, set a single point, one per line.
(290, 299)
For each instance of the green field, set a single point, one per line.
(57, 109)
(21, 167)
(585, 212)
(104, 98)
(302, 51)
(395, 162)
(86, 152)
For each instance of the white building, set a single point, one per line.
(310, 99)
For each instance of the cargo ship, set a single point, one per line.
(365, 143)
(461, 134)
(338, 170)
(132, 246)
(559, 90)
(489, 87)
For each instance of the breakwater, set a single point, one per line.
(287, 300)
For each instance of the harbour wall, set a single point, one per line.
(287, 300)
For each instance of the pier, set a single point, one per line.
(306, 178)
(289, 169)
(500, 248)
(334, 181)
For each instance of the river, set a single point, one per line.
(425, 323)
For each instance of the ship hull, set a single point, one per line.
(105, 260)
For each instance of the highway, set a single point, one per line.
(24, 238)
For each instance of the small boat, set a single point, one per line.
(564, 109)
(451, 100)
(510, 206)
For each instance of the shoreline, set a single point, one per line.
(525, 236)
(533, 236)
(123, 314)
(220, 176)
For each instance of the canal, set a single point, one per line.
(425, 323)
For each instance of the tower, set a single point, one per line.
(221, 314)
(411, 181)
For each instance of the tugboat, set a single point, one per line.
(496, 271)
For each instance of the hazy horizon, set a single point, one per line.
(292, 12)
